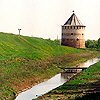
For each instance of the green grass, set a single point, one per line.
(12, 46)
(29, 60)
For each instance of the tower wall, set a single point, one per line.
(73, 36)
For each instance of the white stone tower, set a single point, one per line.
(73, 33)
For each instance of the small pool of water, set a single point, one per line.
(54, 82)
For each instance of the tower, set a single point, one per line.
(73, 33)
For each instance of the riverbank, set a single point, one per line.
(34, 72)
(27, 61)
(50, 70)
(54, 82)
(82, 87)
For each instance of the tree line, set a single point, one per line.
(93, 44)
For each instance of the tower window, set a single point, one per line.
(77, 39)
(71, 33)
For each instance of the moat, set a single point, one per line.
(54, 82)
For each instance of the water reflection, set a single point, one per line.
(54, 82)
(42, 88)
(89, 62)
(68, 74)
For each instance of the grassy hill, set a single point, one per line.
(26, 61)
(12, 46)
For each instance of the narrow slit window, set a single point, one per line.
(77, 39)
(71, 33)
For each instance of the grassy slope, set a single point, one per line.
(25, 61)
(12, 46)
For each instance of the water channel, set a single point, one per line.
(54, 82)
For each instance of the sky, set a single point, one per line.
(43, 18)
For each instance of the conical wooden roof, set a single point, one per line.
(73, 21)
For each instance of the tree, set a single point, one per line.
(91, 44)
(98, 44)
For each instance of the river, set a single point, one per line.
(54, 82)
